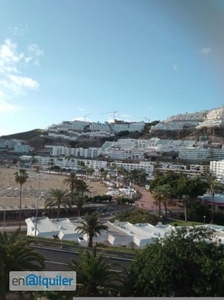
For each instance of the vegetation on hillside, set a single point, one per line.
(16, 255)
(183, 264)
(95, 275)
(138, 216)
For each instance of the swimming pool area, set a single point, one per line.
(216, 227)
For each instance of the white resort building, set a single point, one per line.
(122, 234)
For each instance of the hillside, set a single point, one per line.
(213, 134)
(37, 140)
(26, 136)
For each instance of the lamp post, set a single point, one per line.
(4, 220)
(204, 218)
(4, 214)
(38, 199)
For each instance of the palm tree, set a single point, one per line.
(159, 197)
(16, 255)
(20, 177)
(165, 194)
(91, 225)
(51, 164)
(57, 197)
(70, 180)
(81, 187)
(79, 201)
(95, 276)
(138, 176)
(89, 171)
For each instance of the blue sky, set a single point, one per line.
(81, 59)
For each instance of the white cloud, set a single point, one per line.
(81, 109)
(12, 80)
(6, 107)
(24, 81)
(175, 67)
(206, 51)
(8, 52)
(19, 31)
(28, 59)
(33, 48)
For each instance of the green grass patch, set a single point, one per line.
(181, 222)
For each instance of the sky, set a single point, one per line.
(93, 60)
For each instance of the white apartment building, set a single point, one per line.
(62, 136)
(145, 165)
(217, 168)
(217, 154)
(201, 169)
(91, 152)
(22, 148)
(173, 145)
(66, 163)
(5, 143)
(193, 171)
(121, 154)
(192, 153)
(200, 153)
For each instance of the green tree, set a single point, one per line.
(80, 201)
(138, 216)
(182, 264)
(70, 181)
(158, 195)
(82, 165)
(81, 187)
(95, 275)
(57, 197)
(161, 193)
(89, 171)
(188, 189)
(199, 212)
(124, 174)
(92, 226)
(20, 177)
(138, 176)
(76, 186)
(122, 171)
(214, 186)
(170, 178)
(51, 164)
(16, 255)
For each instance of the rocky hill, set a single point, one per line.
(38, 138)
(212, 134)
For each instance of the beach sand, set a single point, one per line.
(9, 189)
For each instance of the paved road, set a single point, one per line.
(56, 259)
(13, 228)
(147, 201)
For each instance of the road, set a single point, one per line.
(56, 259)
(147, 201)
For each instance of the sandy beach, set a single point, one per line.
(37, 182)
(42, 182)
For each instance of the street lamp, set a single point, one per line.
(38, 199)
(4, 212)
(204, 218)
